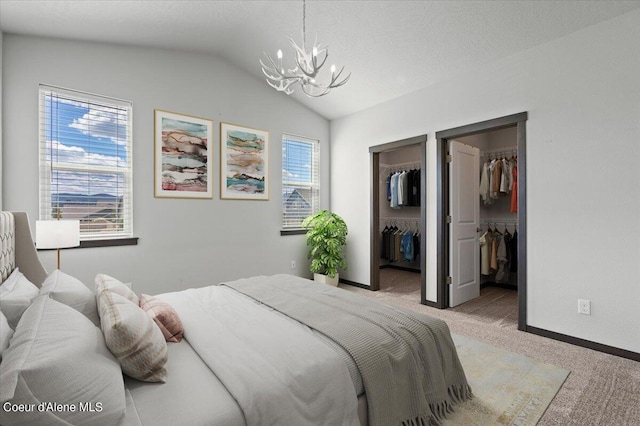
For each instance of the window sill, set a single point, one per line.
(293, 231)
(111, 242)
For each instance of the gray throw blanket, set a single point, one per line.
(409, 365)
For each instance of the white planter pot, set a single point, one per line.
(324, 279)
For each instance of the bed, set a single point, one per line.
(264, 350)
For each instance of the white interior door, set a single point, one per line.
(464, 202)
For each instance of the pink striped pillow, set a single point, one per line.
(164, 316)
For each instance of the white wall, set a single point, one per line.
(582, 93)
(183, 243)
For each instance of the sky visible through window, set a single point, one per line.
(296, 161)
(85, 135)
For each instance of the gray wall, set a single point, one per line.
(582, 93)
(1, 161)
(183, 243)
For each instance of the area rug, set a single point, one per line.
(508, 388)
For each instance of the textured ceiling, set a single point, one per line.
(390, 47)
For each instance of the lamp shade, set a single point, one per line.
(54, 234)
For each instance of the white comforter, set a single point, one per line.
(278, 372)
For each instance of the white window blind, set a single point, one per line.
(300, 179)
(85, 162)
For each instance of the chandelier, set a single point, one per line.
(306, 70)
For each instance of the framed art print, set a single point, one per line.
(244, 163)
(183, 160)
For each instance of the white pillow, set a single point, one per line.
(16, 294)
(72, 292)
(57, 355)
(133, 338)
(5, 334)
(106, 282)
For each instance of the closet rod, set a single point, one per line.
(400, 219)
(509, 149)
(504, 148)
(385, 168)
(400, 164)
(498, 220)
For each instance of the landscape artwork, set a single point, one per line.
(243, 163)
(182, 156)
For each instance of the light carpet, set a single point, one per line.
(602, 389)
(508, 388)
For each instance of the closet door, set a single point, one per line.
(464, 201)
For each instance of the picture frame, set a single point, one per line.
(183, 156)
(244, 163)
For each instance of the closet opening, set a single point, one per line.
(398, 214)
(481, 211)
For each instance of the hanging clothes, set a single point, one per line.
(399, 245)
(493, 262)
(406, 246)
(502, 274)
(403, 188)
(394, 191)
(497, 177)
(396, 246)
(415, 187)
(485, 193)
(486, 240)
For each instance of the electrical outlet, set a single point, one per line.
(584, 307)
(293, 264)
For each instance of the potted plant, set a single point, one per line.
(326, 235)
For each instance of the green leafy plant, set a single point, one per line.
(326, 235)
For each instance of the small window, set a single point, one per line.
(85, 162)
(300, 180)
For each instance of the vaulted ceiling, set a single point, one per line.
(390, 47)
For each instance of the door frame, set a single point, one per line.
(374, 154)
(442, 207)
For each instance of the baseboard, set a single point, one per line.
(611, 350)
(400, 267)
(501, 285)
(355, 284)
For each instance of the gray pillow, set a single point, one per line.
(16, 294)
(58, 355)
(5, 334)
(72, 292)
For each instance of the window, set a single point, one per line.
(300, 180)
(85, 162)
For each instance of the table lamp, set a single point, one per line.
(57, 234)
